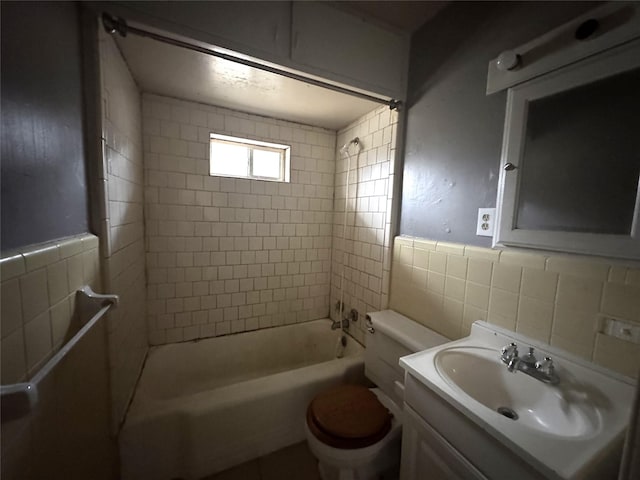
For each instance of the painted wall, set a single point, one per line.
(227, 255)
(123, 223)
(454, 130)
(442, 275)
(362, 250)
(44, 192)
(44, 205)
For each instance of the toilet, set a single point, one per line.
(355, 432)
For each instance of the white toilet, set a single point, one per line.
(355, 432)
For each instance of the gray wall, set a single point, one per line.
(44, 192)
(454, 130)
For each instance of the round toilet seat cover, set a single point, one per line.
(350, 412)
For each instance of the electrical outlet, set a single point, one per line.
(486, 222)
(621, 329)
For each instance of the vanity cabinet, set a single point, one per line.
(441, 442)
(468, 417)
(425, 450)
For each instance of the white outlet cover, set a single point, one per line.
(486, 222)
(621, 329)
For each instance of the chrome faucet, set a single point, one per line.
(540, 370)
(529, 360)
(510, 356)
(344, 323)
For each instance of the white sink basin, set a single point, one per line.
(564, 431)
(479, 373)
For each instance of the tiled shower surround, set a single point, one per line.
(122, 223)
(363, 248)
(227, 255)
(553, 298)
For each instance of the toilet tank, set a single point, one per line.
(394, 336)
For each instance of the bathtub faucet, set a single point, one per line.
(335, 324)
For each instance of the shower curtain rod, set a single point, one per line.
(118, 25)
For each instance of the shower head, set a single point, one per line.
(345, 147)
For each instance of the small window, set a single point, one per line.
(244, 158)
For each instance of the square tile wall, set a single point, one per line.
(361, 252)
(122, 224)
(553, 298)
(38, 295)
(227, 255)
(38, 298)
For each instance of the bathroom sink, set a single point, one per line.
(569, 428)
(479, 373)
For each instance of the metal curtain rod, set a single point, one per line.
(118, 25)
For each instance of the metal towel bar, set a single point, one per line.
(19, 399)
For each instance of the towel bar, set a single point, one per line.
(19, 399)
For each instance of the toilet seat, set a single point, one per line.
(348, 417)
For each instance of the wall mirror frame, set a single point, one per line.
(622, 239)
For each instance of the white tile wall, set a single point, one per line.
(123, 224)
(227, 255)
(556, 299)
(362, 250)
(38, 288)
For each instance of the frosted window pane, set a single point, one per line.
(232, 160)
(266, 164)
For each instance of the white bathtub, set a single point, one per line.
(208, 405)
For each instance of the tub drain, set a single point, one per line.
(508, 412)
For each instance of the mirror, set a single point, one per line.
(581, 158)
(573, 139)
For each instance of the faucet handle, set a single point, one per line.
(509, 351)
(530, 359)
(546, 366)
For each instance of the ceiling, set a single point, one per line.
(181, 73)
(177, 72)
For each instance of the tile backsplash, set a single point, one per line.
(553, 298)
(227, 255)
(39, 286)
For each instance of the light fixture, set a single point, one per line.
(508, 60)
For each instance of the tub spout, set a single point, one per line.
(336, 324)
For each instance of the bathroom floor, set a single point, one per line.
(295, 461)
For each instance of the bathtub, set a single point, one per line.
(201, 407)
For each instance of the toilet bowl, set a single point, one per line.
(379, 460)
(355, 432)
